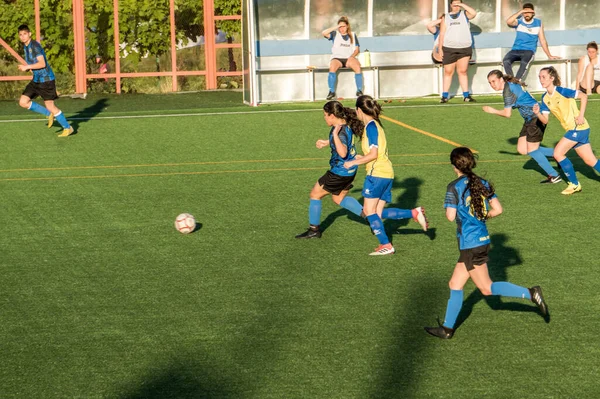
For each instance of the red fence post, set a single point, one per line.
(79, 41)
(173, 45)
(210, 52)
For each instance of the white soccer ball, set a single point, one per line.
(185, 223)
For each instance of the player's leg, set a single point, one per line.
(462, 67)
(585, 152)
(507, 62)
(334, 65)
(560, 151)
(314, 211)
(534, 133)
(449, 69)
(353, 64)
(526, 57)
(29, 93)
(49, 94)
(347, 202)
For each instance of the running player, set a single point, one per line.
(532, 132)
(43, 83)
(377, 190)
(470, 201)
(561, 102)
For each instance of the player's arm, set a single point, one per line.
(371, 156)
(470, 11)
(340, 147)
(322, 143)
(495, 208)
(38, 65)
(541, 115)
(512, 20)
(580, 70)
(433, 26)
(356, 48)
(505, 112)
(544, 44)
(583, 98)
(327, 32)
(442, 36)
(451, 214)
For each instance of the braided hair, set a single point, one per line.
(465, 161)
(338, 110)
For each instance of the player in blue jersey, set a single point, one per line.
(434, 28)
(529, 30)
(344, 50)
(532, 132)
(337, 181)
(43, 83)
(377, 190)
(561, 102)
(470, 201)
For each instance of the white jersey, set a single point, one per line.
(343, 48)
(458, 31)
(596, 67)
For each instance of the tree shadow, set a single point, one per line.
(87, 113)
(501, 257)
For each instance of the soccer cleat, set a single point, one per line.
(359, 93)
(67, 132)
(552, 180)
(443, 100)
(50, 120)
(469, 99)
(538, 299)
(440, 331)
(385, 249)
(418, 215)
(331, 95)
(312, 232)
(571, 189)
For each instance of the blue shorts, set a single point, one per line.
(580, 136)
(378, 187)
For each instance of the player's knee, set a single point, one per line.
(337, 200)
(455, 285)
(591, 162)
(25, 103)
(486, 291)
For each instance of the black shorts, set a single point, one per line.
(474, 256)
(533, 130)
(335, 184)
(342, 60)
(451, 55)
(46, 90)
(594, 89)
(435, 61)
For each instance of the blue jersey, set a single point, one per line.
(337, 162)
(527, 34)
(471, 231)
(517, 97)
(32, 51)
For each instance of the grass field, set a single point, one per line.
(101, 297)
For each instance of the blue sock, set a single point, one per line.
(377, 227)
(453, 308)
(395, 213)
(60, 117)
(445, 94)
(331, 78)
(35, 107)
(352, 205)
(568, 170)
(548, 152)
(541, 159)
(508, 289)
(314, 212)
(358, 78)
(597, 167)
(465, 94)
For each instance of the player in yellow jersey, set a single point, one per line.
(377, 190)
(561, 102)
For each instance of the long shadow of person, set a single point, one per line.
(501, 257)
(87, 113)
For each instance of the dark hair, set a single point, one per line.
(369, 106)
(553, 73)
(23, 27)
(344, 19)
(465, 161)
(592, 45)
(528, 5)
(336, 109)
(507, 78)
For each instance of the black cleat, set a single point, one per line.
(444, 100)
(440, 331)
(331, 95)
(359, 93)
(312, 232)
(469, 99)
(538, 299)
(552, 180)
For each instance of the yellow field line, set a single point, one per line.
(195, 163)
(435, 136)
(214, 172)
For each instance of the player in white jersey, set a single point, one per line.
(343, 55)
(588, 77)
(456, 47)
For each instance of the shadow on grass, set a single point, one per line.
(87, 113)
(501, 257)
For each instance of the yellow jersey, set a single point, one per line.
(563, 106)
(374, 136)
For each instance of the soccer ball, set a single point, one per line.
(185, 223)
